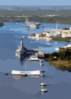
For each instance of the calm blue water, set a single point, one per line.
(12, 87)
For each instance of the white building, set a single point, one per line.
(48, 34)
(57, 35)
(37, 35)
(53, 35)
(68, 46)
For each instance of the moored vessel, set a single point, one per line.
(44, 90)
(32, 24)
(43, 84)
(21, 52)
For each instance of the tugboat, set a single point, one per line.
(43, 84)
(42, 71)
(27, 27)
(40, 64)
(44, 90)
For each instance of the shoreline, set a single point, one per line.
(67, 39)
(60, 59)
(24, 22)
(59, 63)
(59, 66)
(43, 38)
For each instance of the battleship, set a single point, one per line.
(22, 53)
(32, 24)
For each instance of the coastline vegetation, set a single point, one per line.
(42, 35)
(33, 34)
(61, 59)
(61, 39)
(62, 20)
(44, 16)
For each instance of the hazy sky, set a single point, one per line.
(35, 2)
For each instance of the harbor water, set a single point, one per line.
(17, 87)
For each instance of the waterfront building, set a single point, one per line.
(37, 35)
(68, 46)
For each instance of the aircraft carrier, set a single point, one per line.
(32, 24)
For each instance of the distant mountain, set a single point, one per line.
(43, 11)
(19, 8)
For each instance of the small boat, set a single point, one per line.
(43, 84)
(42, 75)
(56, 49)
(6, 74)
(41, 60)
(56, 42)
(40, 63)
(42, 71)
(44, 90)
(27, 27)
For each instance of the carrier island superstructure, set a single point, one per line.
(32, 24)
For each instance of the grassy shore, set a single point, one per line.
(62, 64)
(61, 20)
(61, 39)
(61, 59)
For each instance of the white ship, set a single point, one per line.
(40, 63)
(32, 24)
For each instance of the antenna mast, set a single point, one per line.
(57, 25)
(25, 68)
(30, 45)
